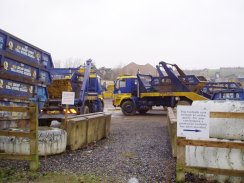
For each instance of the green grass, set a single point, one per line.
(8, 175)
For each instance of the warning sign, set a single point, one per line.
(68, 98)
(192, 122)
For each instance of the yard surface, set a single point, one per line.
(138, 146)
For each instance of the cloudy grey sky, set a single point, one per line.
(191, 33)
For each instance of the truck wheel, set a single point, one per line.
(128, 108)
(143, 111)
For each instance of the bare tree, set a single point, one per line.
(57, 63)
(116, 72)
(73, 62)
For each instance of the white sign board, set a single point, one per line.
(68, 98)
(192, 122)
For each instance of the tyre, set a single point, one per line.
(96, 106)
(128, 108)
(50, 141)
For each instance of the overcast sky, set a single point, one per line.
(191, 33)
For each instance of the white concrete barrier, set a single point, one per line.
(50, 141)
(224, 130)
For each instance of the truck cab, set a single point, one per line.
(124, 88)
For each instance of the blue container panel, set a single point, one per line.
(15, 68)
(60, 73)
(2, 41)
(47, 61)
(15, 89)
(42, 94)
(22, 70)
(25, 50)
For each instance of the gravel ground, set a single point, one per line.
(138, 146)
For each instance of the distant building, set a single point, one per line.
(231, 78)
(241, 80)
(132, 69)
